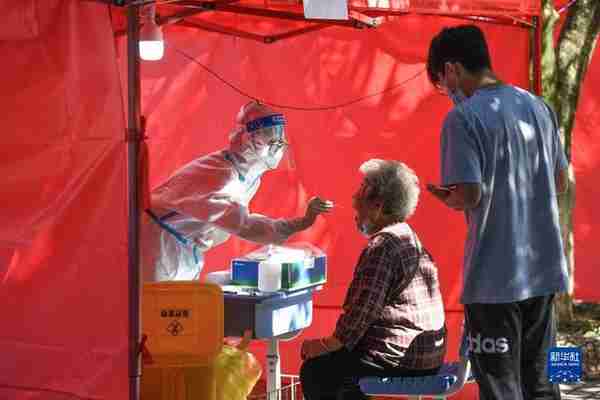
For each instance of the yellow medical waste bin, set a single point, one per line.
(183, 322)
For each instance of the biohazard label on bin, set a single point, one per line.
(175, 328)
(175, 313)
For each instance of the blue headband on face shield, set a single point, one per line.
(266, 122)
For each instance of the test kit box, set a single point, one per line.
(299, 266)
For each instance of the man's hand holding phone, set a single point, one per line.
(441, 192)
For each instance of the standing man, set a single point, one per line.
(503, 165)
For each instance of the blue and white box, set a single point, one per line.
(299, 265)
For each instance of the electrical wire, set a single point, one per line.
(293, 107)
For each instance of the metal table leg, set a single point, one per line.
(273, 370)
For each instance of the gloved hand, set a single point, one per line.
(317, 206)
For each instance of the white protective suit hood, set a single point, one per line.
(258, 144)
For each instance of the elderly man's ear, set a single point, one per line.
(376, 205)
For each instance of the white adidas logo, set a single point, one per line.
(479, 345)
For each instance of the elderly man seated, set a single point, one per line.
(393, 316)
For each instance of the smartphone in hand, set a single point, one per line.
(441, 188)
(438, 188)
(440, 191)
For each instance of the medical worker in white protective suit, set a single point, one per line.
(206, 201)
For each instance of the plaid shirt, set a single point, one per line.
(393, 313)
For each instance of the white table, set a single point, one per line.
(271, 317)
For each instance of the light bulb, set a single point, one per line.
(152, 50)
(152, 46)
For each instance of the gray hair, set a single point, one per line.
(394, 184)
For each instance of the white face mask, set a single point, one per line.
(269, 145)
(456, 95)
(272, 159)
(270, 155)
(366, 228)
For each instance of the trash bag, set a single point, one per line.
(236, 371)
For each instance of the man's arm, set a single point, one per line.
(461, 196)
(461, 164)
(315, 207)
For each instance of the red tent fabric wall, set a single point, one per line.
(585, 151)
(63, 254)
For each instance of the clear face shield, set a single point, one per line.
(269, 141)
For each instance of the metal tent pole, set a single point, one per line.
(133, 138)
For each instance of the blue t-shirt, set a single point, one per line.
(507, 140)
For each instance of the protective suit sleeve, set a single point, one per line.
(209, 193)
(253, 227)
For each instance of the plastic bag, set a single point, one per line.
(236, 371)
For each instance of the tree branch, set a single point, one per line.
(548, 57)
(576, 44)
